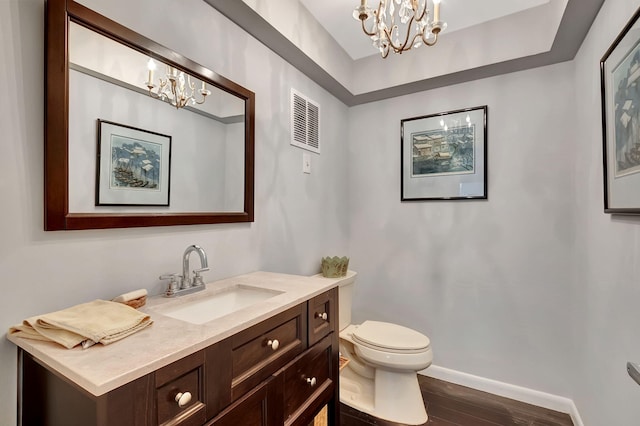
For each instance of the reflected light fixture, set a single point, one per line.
(175, 88)
(409, 29)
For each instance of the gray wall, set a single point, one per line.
(535, 287)
(607, 248)
(488, 281)
(299, 218)
(199, 148)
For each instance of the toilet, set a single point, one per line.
(380, 378)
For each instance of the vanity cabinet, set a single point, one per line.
(322, 315)
(308, 382)
(280, 371)
(46, 398)
(179, 396)
(260, 407)
(259, 351)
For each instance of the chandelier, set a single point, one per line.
(175, 88)
(409, 29)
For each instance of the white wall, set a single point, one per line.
(198, 148)
(535, 287)
(299, 218)
(234, 155)
(607, 288)
(488, 281)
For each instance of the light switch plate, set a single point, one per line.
(306, 163)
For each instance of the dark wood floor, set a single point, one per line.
(453, 405)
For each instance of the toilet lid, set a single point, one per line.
(391, 336)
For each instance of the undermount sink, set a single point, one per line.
(204, 308)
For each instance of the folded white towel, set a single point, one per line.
(99, 321)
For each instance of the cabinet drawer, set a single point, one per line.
(180, 377)
(264, 348)
(323, 315)
(307, 377)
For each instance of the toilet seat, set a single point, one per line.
(389, 337)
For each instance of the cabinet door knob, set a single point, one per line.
(312, 381)
(273, 344)
(183, 399)
(322, 315)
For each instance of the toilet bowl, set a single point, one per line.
(380, 378)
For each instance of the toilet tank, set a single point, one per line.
(345, 294)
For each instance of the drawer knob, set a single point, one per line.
(183, 399)
(312, 381)
(273, 344)
(322, 315)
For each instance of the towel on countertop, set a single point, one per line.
(99, 321)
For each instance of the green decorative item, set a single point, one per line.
(334, 267)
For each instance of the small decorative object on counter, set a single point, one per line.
(334, 267)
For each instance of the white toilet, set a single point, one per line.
(381, 376)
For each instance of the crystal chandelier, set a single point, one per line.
(409, 29)
(175, 88)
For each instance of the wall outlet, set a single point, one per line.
(306, 163)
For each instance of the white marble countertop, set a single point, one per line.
(100, 369)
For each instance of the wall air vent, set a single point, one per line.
(305, 122)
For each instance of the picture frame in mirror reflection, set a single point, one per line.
(444, 156)
(133, 166)
(620, 95)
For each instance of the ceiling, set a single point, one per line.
(482, 39)
(335, 17)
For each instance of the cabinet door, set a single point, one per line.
(260, 407)
(323, 315)
(182, 378)
(309, 383)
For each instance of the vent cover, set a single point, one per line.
(305, 122)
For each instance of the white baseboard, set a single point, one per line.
(529, 396)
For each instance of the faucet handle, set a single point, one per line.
(172, 277)
(197, 279)
(173, 285)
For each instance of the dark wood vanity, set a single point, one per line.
(280, 371)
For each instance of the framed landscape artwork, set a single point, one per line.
(444, 156)
(620, 93)
(133, 166)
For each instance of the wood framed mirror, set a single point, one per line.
(108, 132)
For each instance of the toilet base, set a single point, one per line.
(391, 396)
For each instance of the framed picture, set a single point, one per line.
(133, 166)
(444, 156)
(620, 92)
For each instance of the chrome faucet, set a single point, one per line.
(182, 284)
(204, 266)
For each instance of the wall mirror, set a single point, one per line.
(138, 135)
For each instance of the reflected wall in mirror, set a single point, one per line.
(98, 70)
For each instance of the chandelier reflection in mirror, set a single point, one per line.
(411, 28)
(175, 88)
